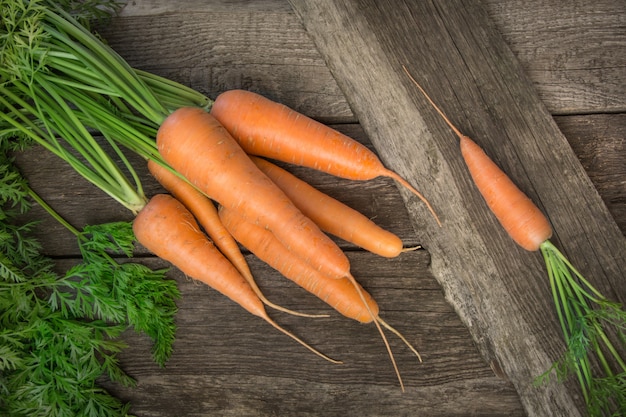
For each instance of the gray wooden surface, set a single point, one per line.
(228, 363)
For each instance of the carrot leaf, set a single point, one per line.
(594, 329)
(60, 333)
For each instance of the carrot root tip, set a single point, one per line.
(397, 333)
(409, 187)
(412, 248)
(302, 342)
(376, 321)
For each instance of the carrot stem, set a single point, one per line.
(584, 332)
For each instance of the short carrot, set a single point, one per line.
(331, 215)
(196, 145)
(517, 214)
(267, 128)
(168, 230)
(205, 212)
(346, 295)
(582, 310)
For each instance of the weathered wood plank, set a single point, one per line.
(598, 141)
(471, 72)
(575, 52)
(236, 46)
(226, 364)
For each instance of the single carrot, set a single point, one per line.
(331, 215)
(205, 213)
(168, 230)
(345, 295)
(267, 128)
(196, 145)
(517, 214)
(579, 305)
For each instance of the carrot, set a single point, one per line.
(517, 214)
(266, 128)
(331, 215)
(345, 295)
(196, 145)
(205, 213)
(167, 229)
(579, 306)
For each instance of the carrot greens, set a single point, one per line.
(61, 332)
(63, 89)
(586, 316)
(60, 84)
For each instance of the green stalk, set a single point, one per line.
(582, 312)
(111, 177)
(92, 114)
(176, 94)
(103, 57)
(104, 173)
(32, 194)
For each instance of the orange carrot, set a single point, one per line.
(344, 295)
(579, 306)
(194, 143)
(168, 230)
(331, 215)
(205, 213)
(338, 293)
(517, 214)
(266, 128)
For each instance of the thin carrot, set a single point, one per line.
(196, 145)
(267, 128)
(517, 214)
(205, 213)
(167, 229)
(331, 215)
(346, 295)
(582, 310)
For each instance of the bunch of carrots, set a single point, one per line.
(61, 85)
(281, 219)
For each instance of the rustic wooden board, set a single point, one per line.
(598, 141)
(499, 291)
(227, 363)
(575, 52)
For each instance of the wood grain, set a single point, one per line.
(598, 141)
(228, 362)
(575, 52)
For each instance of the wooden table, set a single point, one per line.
(229, 363)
